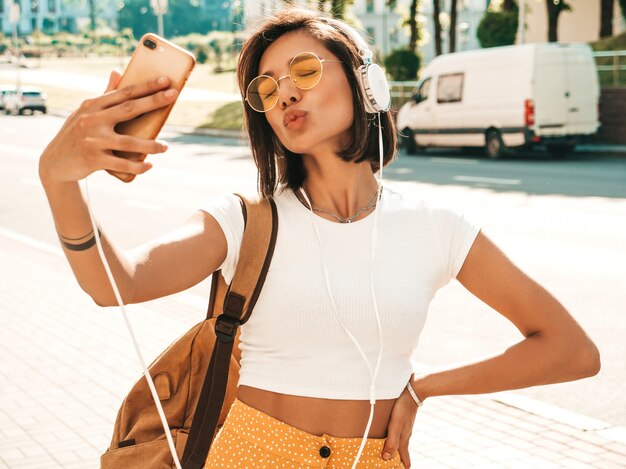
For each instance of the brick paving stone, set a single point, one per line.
(616, 448)
(574, 464)
(545, 453)
(555, 436)
(450, 460)
(615, 457)
(582, 455)
(606, 464)
(12, 455)
(536, 462)
(553, 445)
(519, 443)
(502, 453)
(592, 437)
(40, 462)
(471, 459)
(585, 447)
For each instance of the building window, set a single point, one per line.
(370, 6)
(52, 6)
(34, 6)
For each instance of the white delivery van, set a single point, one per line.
(504, 98)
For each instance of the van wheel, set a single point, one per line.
(494, 146)
(409, 142)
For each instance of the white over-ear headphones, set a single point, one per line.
(370, 76)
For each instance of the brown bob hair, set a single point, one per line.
(275, 163)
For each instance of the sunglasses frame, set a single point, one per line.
(277, 80)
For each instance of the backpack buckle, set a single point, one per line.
(226, 327)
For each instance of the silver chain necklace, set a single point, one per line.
(371, 204)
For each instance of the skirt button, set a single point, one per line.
(324, 451)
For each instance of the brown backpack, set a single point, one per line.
(196, 376)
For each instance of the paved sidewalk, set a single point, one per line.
(66, 364)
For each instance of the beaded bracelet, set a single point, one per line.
(413, 395)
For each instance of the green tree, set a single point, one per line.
(497, 28)
(402, 64)
(183, 17)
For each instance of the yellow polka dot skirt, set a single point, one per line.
(252, 439)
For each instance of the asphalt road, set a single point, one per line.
(562, 222)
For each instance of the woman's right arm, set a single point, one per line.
(85, 144)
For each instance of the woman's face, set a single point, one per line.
(313, 121)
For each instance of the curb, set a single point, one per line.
(218, 133)
(615, 433)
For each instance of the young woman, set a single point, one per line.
(354, 269)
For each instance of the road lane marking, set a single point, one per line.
(510, 182)
(20, 150)
(31, 182)
(31, 242)
(453, 160)
(141, 204)
(191, 299)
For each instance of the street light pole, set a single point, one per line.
(159, 7)
(160, 24)
(14, 18)
(521, 24)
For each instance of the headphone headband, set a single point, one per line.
(364, 49)
(371, 78)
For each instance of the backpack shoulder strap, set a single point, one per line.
(257, 247)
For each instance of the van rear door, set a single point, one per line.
(582, 86)
(551, 102)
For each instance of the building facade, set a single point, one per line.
(582, 24)
(54, 15)
(384, 27)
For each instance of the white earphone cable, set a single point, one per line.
(118, 297)
(374, 243)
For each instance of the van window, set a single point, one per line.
(422, 92)
(450, 88)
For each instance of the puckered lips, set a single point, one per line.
(294, 118)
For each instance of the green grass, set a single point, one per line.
(229, 116)
(613, 43)
(610, 43)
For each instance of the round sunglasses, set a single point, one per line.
(305, 71)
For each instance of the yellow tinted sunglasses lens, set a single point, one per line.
(262, 93)
(305, 70)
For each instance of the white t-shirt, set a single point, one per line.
(293, 342)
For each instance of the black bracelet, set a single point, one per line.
(64, 238)
(82, 246)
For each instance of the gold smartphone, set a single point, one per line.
(153, 57)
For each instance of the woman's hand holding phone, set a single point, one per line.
(87, 140)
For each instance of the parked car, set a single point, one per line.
(505, 98)
(26, 99)
(5, 90)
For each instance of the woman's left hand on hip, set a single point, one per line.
(400, 428)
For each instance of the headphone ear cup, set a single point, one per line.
(375, 87)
